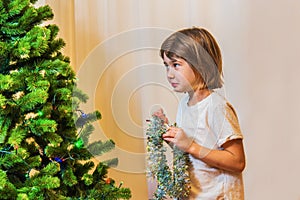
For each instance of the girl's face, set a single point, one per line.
(179, 73)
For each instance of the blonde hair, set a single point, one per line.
(200, 49)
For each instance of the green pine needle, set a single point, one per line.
(39, 100)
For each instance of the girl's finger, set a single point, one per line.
(169, 139)
(169, 133)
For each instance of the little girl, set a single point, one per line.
(207, 125)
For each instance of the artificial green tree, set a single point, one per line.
(45, 151)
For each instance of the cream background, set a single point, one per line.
(260, 45)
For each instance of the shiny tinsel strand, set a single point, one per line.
(173, 182)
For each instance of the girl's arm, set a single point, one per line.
(230, 158)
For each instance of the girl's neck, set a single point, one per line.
(197, 96)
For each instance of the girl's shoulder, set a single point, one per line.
(217, 100)
(219, 105)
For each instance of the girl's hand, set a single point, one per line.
(160, 114)
(178, 137)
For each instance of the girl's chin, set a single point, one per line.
(178, 90)
(182, 90)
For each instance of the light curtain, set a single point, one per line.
(113, 46)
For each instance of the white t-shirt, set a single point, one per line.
(211, 122)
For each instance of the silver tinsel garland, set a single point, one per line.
(171, 181)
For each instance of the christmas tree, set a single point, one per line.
(45, 151)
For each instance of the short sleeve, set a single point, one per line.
(224, 124)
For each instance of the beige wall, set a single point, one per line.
(113, 45)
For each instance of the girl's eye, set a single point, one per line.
(176, 65)
(167, 67)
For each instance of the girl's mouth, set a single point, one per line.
(174, 84)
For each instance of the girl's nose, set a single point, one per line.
(170, 74)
